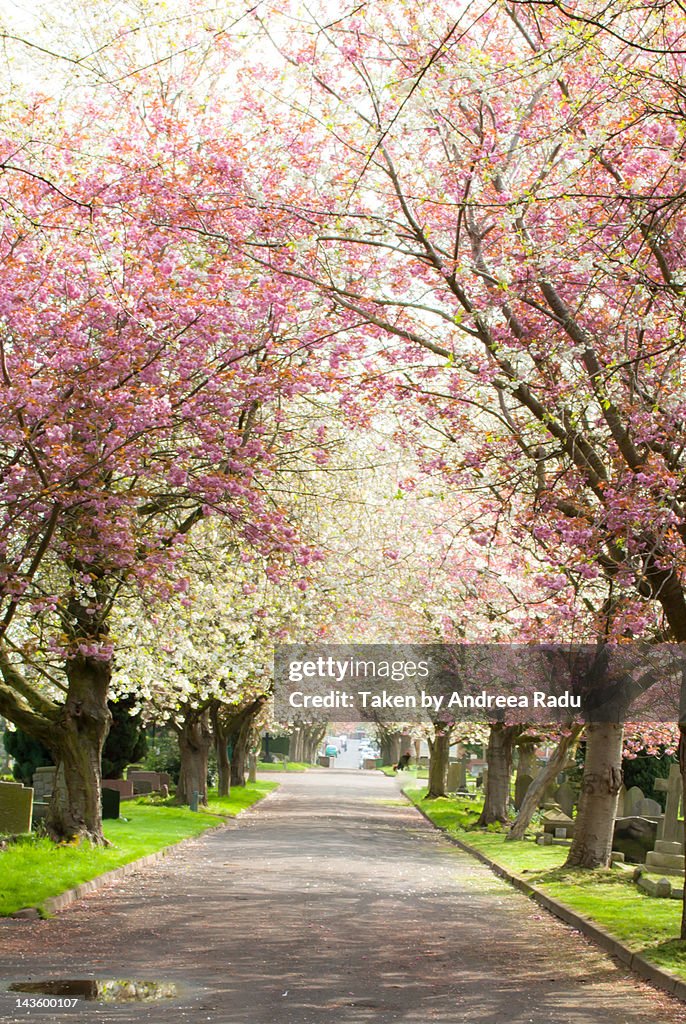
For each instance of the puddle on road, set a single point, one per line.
(118, 990)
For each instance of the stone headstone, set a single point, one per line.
(566, 798)
(667, 858)
(16, 803)
(522, 784)
(635, 837)
(633, 795)
(621, 802)
(39, 812)
(671, 828)
(557, 819)
(44, 782)
(141, 787)
(548, 796)
(136, 776)
(123, 786)
(663, 889)
(453, 783)
(165, 779)
(462, 773)
(647, 808)
(110, 802)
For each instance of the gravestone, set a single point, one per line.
(462, 774)
(671, 829)
(566, 798)
(16, 803)
(548, 796)
(634, 837)
(554, 820)
(633, 795)
(142, 787)
(137, 777)
(39, 812)
(647, 808)
(667, 858)
(453, 783)
(621, 802)
(110, 802)
(44, 783)
(522, 784)
(165, 779)
(123, 786)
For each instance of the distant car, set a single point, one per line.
(330, 750)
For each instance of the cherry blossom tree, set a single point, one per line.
(144, 379)
(510, 208)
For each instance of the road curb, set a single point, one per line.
(657, 976)
(54, 904)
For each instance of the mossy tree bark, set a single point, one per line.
(74, 731)
(501, 742)
(600, 785)
(78, 736)
(547, 773)
(221, 741)
(439, 750)
(195, 741)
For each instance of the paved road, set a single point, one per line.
(333, 901)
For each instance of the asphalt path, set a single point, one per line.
(332, 902)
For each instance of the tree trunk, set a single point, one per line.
(223, 767)
(239, 754)
(390, 747)
(240, 744)
(405, 744)
(295, 747)
(252, 768)
(195, 740)
(565, 747)
(76, 743)
(501, 741)
(602, 779)
(439, 748)
(221, 749)
(314, 735)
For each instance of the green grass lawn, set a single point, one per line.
(34, 869)
(278, 766)
(643, 923)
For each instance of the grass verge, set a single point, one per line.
(289, 766)
(33, 869)
(644, 924)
